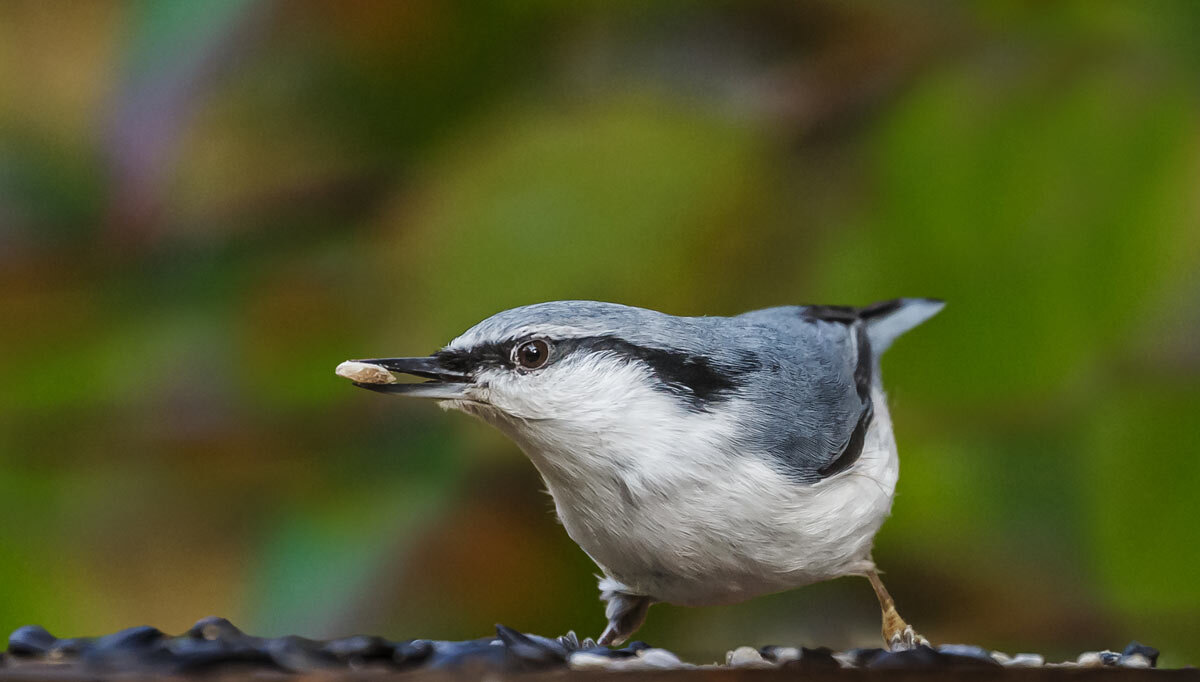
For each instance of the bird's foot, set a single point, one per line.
(905, 639)
(899, 635)
(611, 637)
(625, 613)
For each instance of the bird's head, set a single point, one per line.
(578, 369)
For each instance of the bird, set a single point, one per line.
(697, 460)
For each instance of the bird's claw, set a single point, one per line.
(906, 638)
(625, 612)
(610, 637)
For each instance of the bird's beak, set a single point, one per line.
(444, 384)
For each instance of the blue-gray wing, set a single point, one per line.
(816, 379)
(812, 390)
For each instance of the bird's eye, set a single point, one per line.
(532, 354)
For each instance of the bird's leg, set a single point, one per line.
(897, 634)
(625, 612)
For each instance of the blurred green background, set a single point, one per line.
(205, 206)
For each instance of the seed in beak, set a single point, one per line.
(365, 373)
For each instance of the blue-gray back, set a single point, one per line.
(799, 377)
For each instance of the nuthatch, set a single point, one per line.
(697, 460)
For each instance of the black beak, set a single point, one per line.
(427, 368)
(446, 384)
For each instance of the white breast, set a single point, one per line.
(664, 506)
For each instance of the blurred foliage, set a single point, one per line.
(205, 206)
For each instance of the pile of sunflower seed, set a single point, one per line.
(215, 645)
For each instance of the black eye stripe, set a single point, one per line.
(695, 379)
(473, 359)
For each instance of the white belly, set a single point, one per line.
(685, 523)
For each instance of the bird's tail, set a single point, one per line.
(887, 320)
